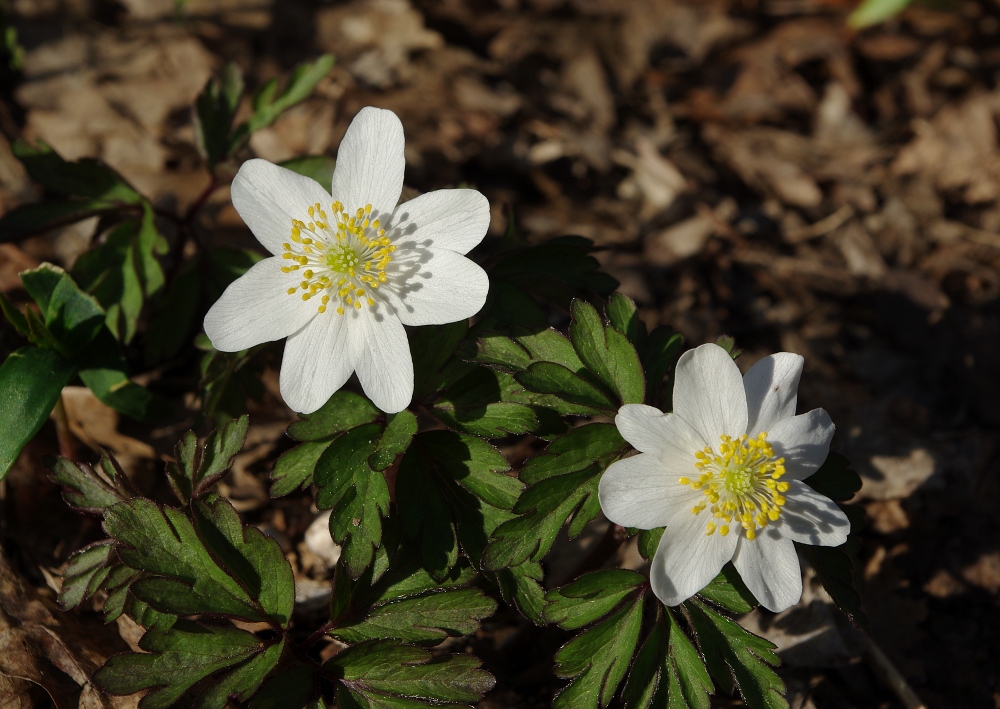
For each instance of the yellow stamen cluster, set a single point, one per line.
(338, 258)
(741, 483)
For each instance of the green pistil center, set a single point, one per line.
(342, 258)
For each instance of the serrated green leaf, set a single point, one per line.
(175, 660)
(597, 659)
(268, 103)
(399, 431)
(607, 353)
(474, 405)
(356, 495)
(563, 491)
(733, 654)
(318, 167)
(728, 590)
(649, 541)
(497, 350)
(668, 671)
(91, 489)
(294, 470)
(837, 569)
(199, 467)
(241, 682)
(590, 597)
(251, 579)
(31, 380)
(86, 571)
(624, 317)
(521, 586)
(380, 672)
(102, 369)
(451, 487)
(214, 110)
(343, 411)
(555, 379)
(14, 316)
(87, 178)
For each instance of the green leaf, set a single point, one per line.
(85, 573)
(667, 671)
(432, 349)
(649, 540)
(874, 12)
(607, 353)
(563, 489)
(86, 178)
(241, 682)
(268, 103)
(451, 487)
(733, 654)
(294, 469)
(198, 468)
(552, 378)
(343, 411)
(409, 605)
(521, 586)
(399, 431)
(728, 590)
(591, 596)
(14, 316)
(597, 659)
(318, 167)
(835, 479)
(71, 316)
(624, 317)
(292, 689)
(176, 659)
(474, 405)
(31, 380)
(30, 219)
(222, 568)
(172, 323)
(381, 673)
(90, 489)
(356, 495)
(836, 571)
(214, 110)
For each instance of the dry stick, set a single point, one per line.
(886, 671)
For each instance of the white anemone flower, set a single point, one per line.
(723, 473)
(348, 270)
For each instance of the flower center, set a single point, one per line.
(740, 482)
(343, 258)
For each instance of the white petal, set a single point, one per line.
(667, 435)
(687, 558)
(640, 492)
(769, 567)
(385, 367)
(804, 442)
(708, 393)
(433, 287)
(772, 390)
(370, 162)
(456, 220)
(255, 308)
(268, 197)
(317, 361)
(811, 518)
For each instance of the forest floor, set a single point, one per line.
(749, 168)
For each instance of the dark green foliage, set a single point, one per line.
(178, 658)
(318, 167)
(343, 411)
(91, 489)
(381, 673)
(199, 467)
(607, 353)
(216, 566)
(31, 380)
(736, 658)
(452, 489)
(562, 490)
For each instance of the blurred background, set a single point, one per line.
(748, 167)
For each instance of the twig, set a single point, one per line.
(887, 672)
